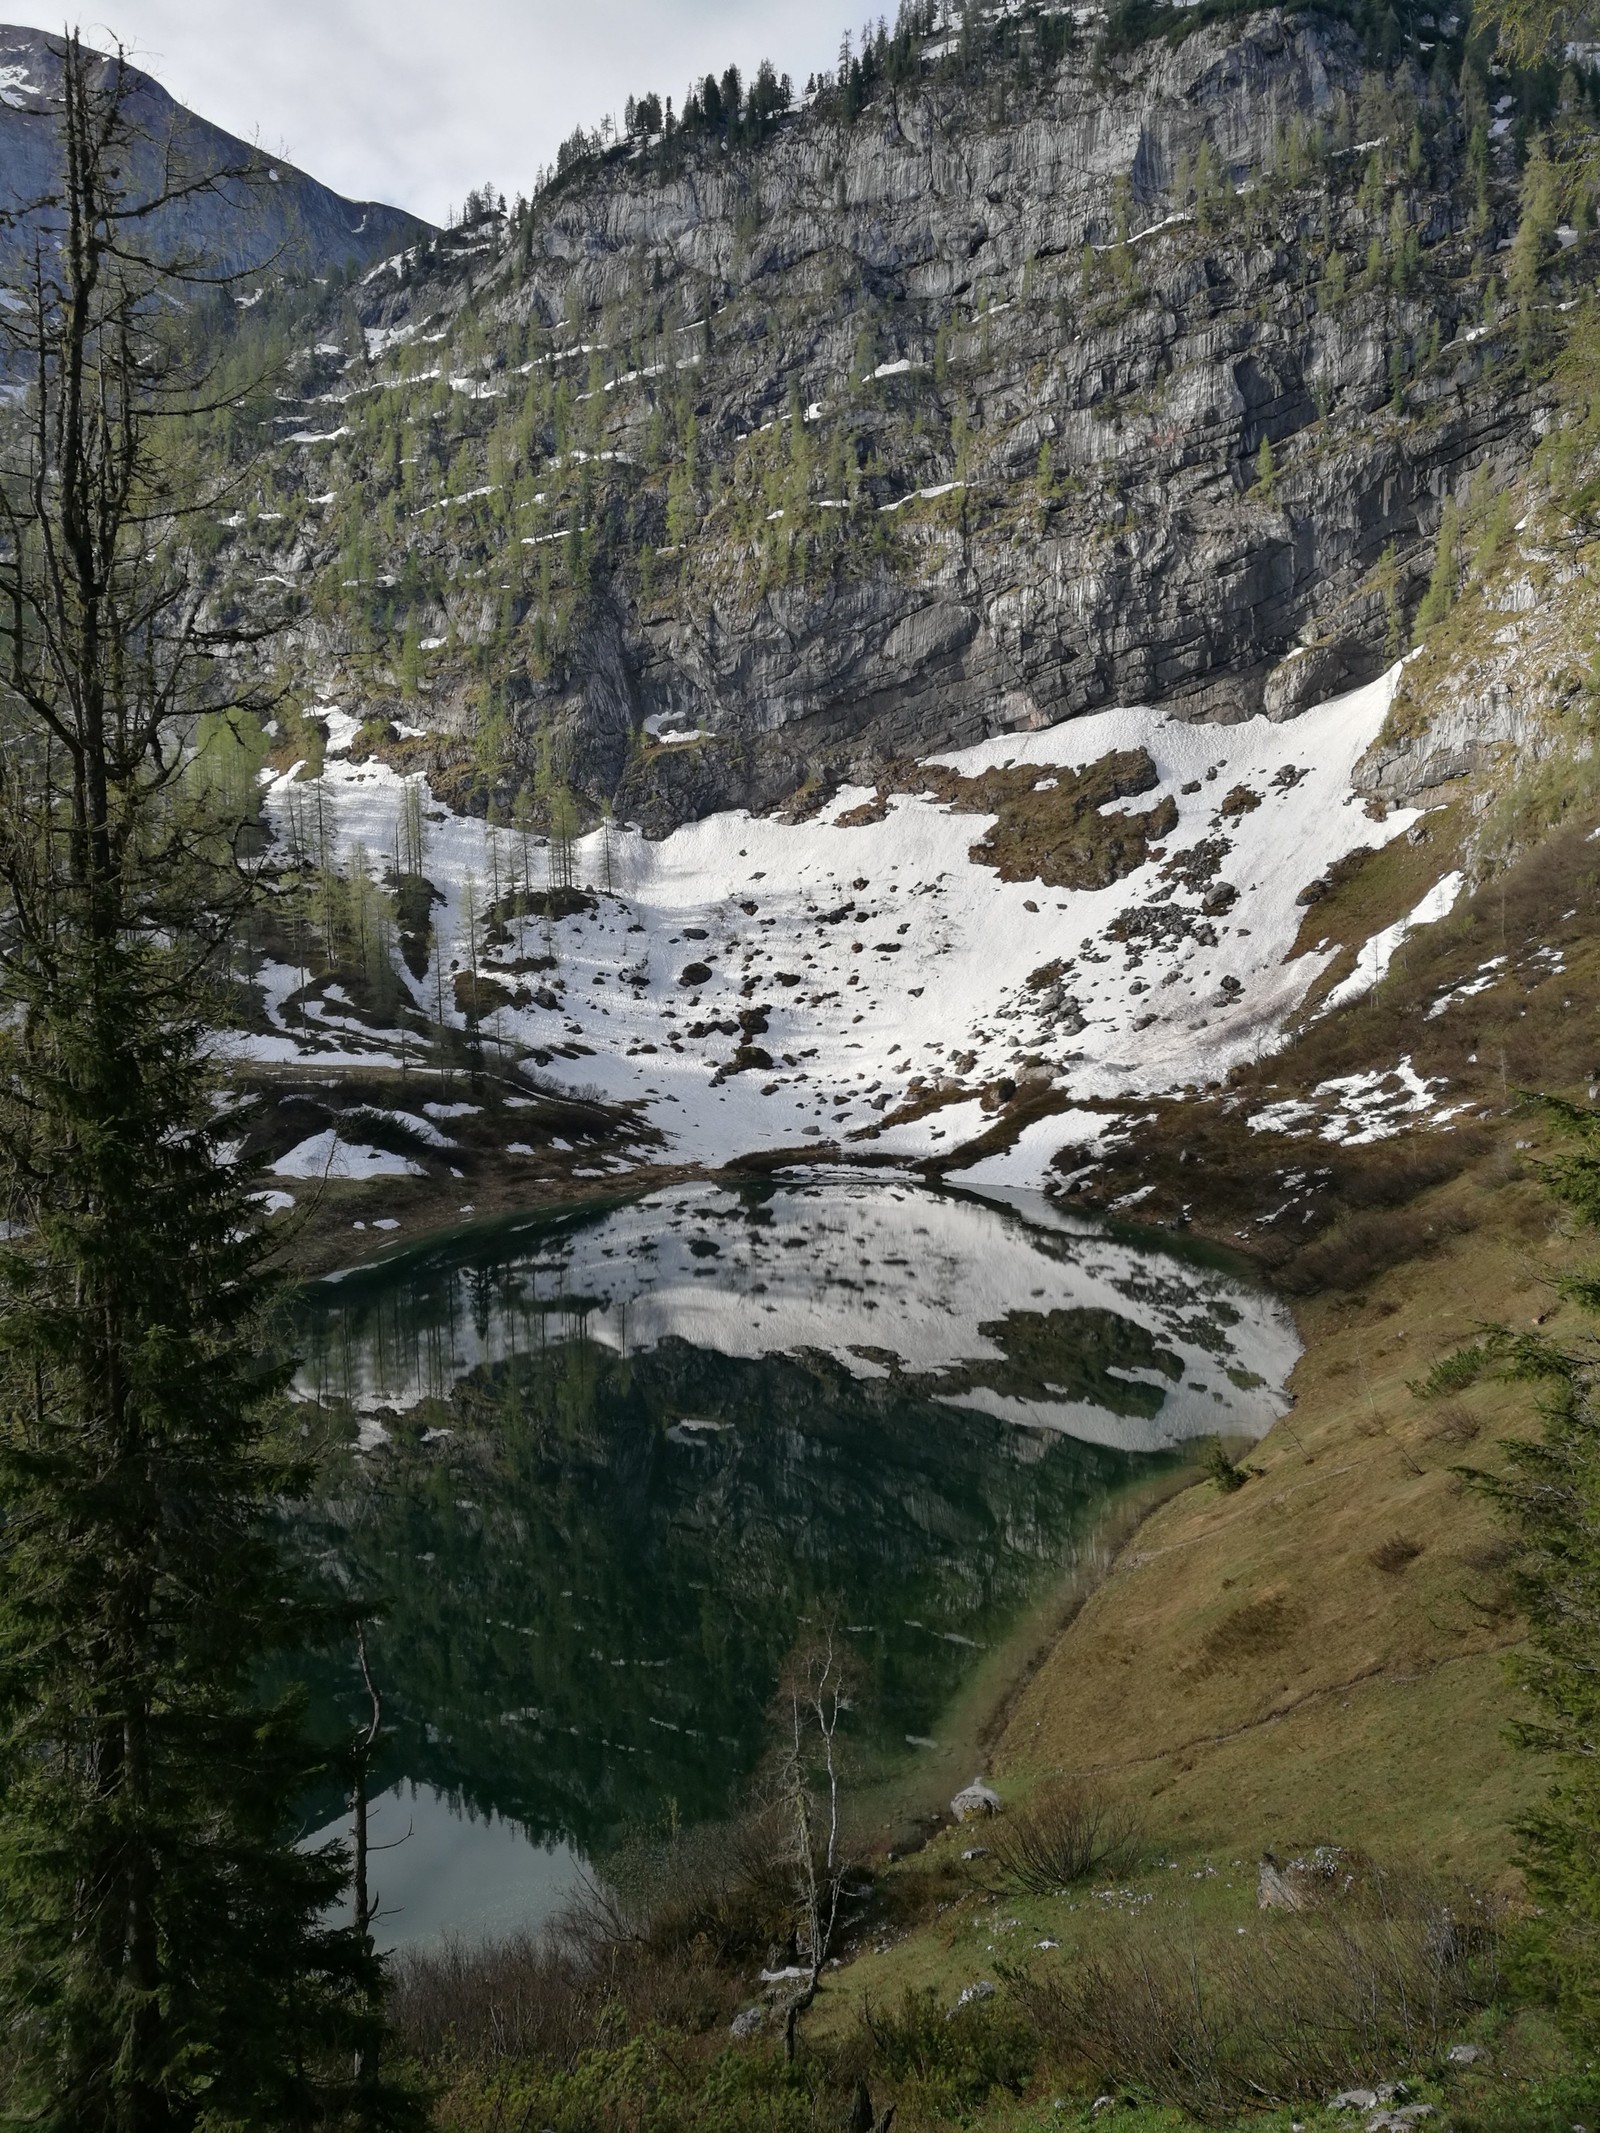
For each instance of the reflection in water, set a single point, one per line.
(1063, 1328)
(437, 1868)
(607, 1466)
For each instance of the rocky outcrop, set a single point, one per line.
(951, 294)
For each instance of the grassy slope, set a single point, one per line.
(1248, 1676)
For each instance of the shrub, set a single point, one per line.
(1220, 1468)
(657, 1944)
(537, 2001)
(1066, 1832)
(1455, 1426)
(718, 1890)
(1298, 2006)
(941, 2061)
(1394, 1554)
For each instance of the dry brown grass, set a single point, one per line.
(1250, 1632)
(1224, 2021)
(1247, 1672)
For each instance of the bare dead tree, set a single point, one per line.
(805, 1785)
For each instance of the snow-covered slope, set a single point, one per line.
(879, 962)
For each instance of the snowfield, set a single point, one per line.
(887, 962)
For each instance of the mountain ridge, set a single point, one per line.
(279, 218)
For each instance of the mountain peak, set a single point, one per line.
(294, 221)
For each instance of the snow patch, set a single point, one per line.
(882, 966)
(1373, 962)
(325, 1155)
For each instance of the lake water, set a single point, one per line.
(601, 1467)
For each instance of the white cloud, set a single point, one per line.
(414, 103)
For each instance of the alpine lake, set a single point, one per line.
(591, 1473)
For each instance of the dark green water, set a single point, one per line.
(601, 1471)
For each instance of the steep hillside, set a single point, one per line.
(266, 217)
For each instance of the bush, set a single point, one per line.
(1218, 1467)
(1395, 1554)
(718, 1891)
(941, 2061)
(542, 2001)
(648, 2083)
(658, 1944)
(1066, 1832)
(1298, 2006)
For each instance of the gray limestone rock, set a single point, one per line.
(975, 1801)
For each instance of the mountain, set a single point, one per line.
(280, 221)
(879, 624)
(1037, 385)
(1030, 619)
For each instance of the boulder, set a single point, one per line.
(1274, 1889)
(974, 1801)
(1312, 1879)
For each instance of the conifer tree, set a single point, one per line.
(1550, 1494)
(167, 1961)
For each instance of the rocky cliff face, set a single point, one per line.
(1137, 378)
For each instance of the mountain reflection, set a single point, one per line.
(610, 1466)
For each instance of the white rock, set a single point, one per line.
(975, 1799)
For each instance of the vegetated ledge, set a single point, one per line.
(1495, 999)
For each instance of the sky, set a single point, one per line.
(417, 101)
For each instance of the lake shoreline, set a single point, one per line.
(948, 1410)
(907, 1807)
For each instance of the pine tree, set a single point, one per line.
(1550, 1495)
(1536, 227)
(168, 1958)
(1438, 600)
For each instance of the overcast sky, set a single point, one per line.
(415, 101)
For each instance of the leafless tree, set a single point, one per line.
(805, 1786)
